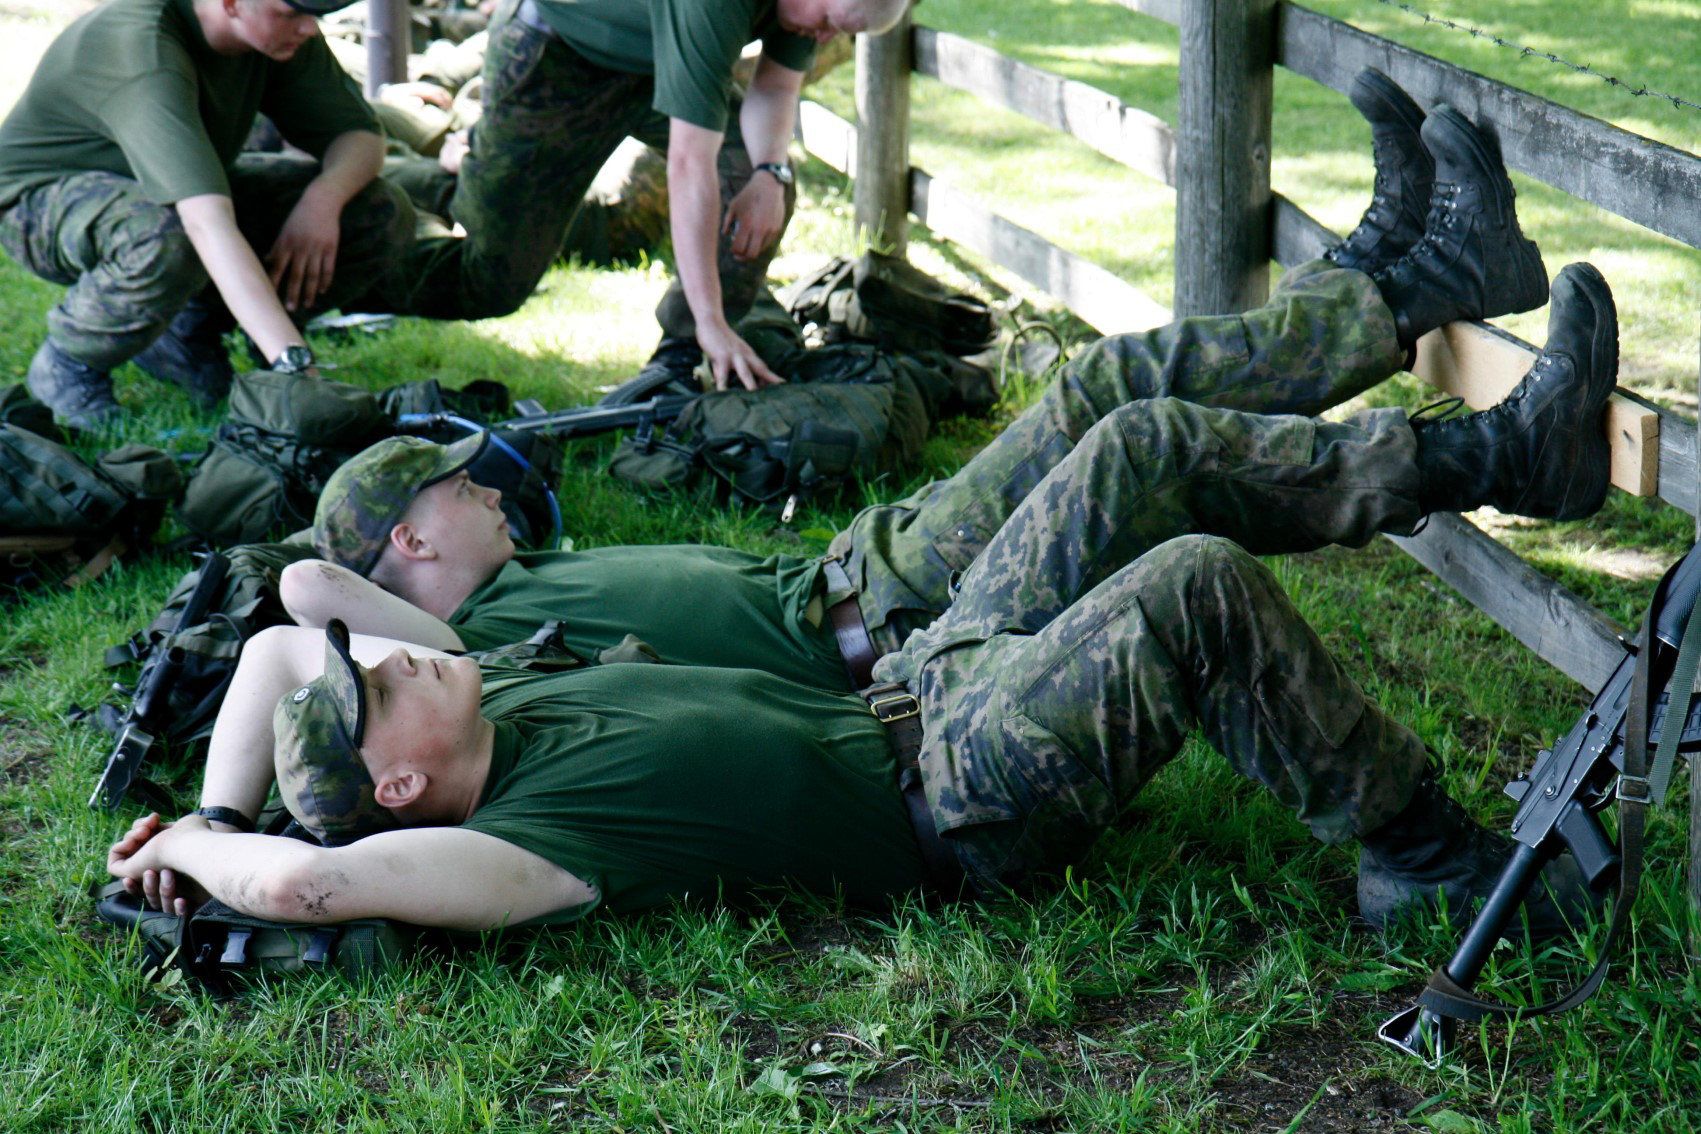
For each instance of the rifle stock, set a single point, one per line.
(1560, 801)
(141, 723)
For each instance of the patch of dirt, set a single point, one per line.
(23, 753)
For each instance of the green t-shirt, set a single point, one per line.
(655, 783)
(132, 88)
(700, 606)
(690, 46)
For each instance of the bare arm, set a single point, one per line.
(274, 661)
(694, 207)
(210, 221)
(440, 876)
(315, 591)
(756, 216)
(303, 259)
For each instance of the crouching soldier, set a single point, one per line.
(121, 178)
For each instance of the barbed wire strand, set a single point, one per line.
(1536, 53)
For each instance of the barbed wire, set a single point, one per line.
(1537, 53)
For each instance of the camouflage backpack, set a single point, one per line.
(61, 517)
(846, 412)
(216, 946)
(888, 301)
(286, 434)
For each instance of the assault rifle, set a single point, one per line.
(579, 421)
(1602, 759)
(142, 722)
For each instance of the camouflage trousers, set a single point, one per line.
(1035, 743)
(128, 265)
(551, 119)
(1324, 337)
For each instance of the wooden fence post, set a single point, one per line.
(882, 193)
(389, 34)
(1222, 214)
(1695, 783)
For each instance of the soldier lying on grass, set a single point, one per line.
(1082, 646)
(1002, 739)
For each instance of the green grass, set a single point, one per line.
(1201, 971)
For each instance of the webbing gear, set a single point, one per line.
(849, 630)
(894, 706)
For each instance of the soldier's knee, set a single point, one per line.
(154, 250)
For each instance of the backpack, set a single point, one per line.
(215, 944)
(286, 435)
(246, 602)
(848, 411)
(887, 301)
(63, 519)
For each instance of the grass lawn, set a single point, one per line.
(1201, 971)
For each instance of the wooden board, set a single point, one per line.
(1547, 617)
(1141, 141)
(1482, 365)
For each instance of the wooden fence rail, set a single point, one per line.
(1233, 224)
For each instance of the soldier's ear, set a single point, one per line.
(397, 790)
(409, 543)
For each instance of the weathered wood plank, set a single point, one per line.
(1141, 141)
(1547, 617)
(1169, 11)
(1644, 181)
(827, 136)
(881, 193)
(1481, 364)
(1222, 214)
(1107, 302)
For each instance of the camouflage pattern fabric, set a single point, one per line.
(1034, 744)
(129, 267)
(319, 729)
(551, 119)
(369, 493)
(1324, 337)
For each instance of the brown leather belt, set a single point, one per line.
(855, 646)
(897, 708)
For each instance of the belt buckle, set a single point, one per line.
(895, 707)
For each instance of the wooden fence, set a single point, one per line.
(1217, 158)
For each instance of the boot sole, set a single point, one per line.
(1372, 91)
(1594, 465)
(1527, 288)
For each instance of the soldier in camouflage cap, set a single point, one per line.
(369, 494)
(320, 728)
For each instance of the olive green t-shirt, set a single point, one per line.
(655, 783)
(132, 88)
(690, 46)
(700, 606)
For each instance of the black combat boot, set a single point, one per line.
(1405, 174)
(191, 354)
(1542, 452)
(1433, 850)
(1472, 261)
(78, 393)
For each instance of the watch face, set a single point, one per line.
(782, 173)
(293, 359)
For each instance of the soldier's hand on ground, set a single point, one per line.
(755, 217)
(304, 258)
(415, 93)
(135, 859)
(454, 151)
(730, 356)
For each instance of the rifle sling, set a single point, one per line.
(1446, 996)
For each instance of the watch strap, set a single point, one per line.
(229, 816)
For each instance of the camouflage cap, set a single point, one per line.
(319, 730)
(369, 494)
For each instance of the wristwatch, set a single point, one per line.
(781, 171)
(294, 359)
(229, 816)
